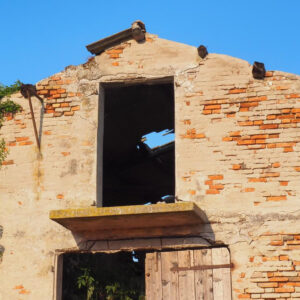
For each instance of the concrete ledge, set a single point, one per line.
(123, 222)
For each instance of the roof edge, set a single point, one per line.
(137, 32)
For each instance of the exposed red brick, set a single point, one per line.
(65, 153)
(269, 74)
(237, 91)
(55, 78)
(276, 165)
(279, 279)
(19, 287)
(217, 187)
(271, 174)
(230, 115)
(24, 292)
(257, 179)
(227, 139)
(25, 143)
(249, 190)
(7, 162)
(249, 104)
(22, 139)
(68, 113)
(283, 257)
(207, 112)
(217, 106)
(244, 296)
(74, 108)
(208, 182)
(296, 242)
(282, 87)
(267, 284)
(292, 96)
(114, 56)
(246, 142)
(276, 243)
(245, 123)
(285, 290)
(268, 126)
(255, 99)
(283, 183)
(114, 51)
(60, 196)
(259, 136)
(236, 167)
(215, 177)
(187, 122)
(276, 198)
(212, 192)
(192, 192)
(115, 64)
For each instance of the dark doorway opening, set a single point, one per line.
(133, 171)
(103, 276)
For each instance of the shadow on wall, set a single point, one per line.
(2, 249)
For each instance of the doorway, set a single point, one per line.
(103, 276)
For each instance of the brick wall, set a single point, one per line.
(237, 156)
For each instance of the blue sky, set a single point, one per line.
(40, 38)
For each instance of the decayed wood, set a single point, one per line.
(221, 277)
(169, 278)
(203, 267)
(153, 276)
(200, 274)
(58, 277)
(186, 278)
(203, 278)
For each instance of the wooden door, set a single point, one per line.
(201, 274)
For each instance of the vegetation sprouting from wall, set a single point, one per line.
(7, 107)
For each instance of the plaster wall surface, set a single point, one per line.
(237, 156)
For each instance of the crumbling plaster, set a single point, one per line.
(64, 174)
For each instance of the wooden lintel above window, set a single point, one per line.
(138, 221)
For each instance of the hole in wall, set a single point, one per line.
(138, 144)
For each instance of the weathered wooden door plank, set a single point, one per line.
(153, 276)
(186, 278)
(169, 278)
(221, 277)
(203, 278)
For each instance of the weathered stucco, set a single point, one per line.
(237, 156)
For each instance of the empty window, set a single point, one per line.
(138, 164)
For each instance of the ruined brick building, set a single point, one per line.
(234, 169)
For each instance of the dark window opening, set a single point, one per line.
(102, 276)
(137, 168)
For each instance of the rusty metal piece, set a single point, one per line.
(138, 29)
(28, 90)
(202, 51)
(204, 267)
(258, 70)
(31, 89)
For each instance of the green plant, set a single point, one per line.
(104, 276)
(8, 90)
(3, 151)
(88, 281)
(7, 107)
